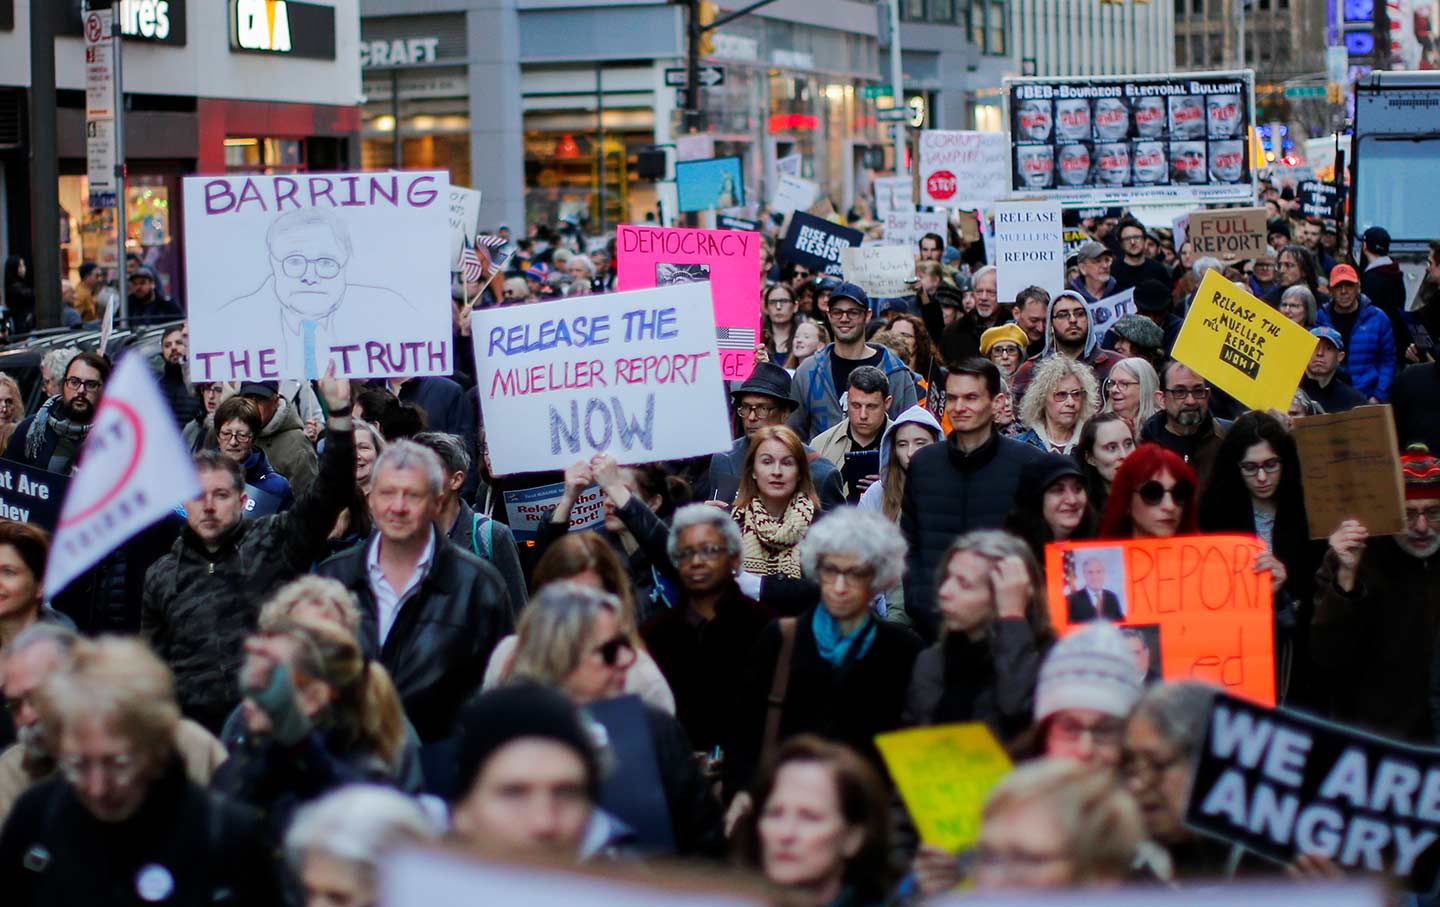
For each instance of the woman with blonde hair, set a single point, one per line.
(1062, 395)
(585, 558)
(313, 597)
(776, 502)
(317, 714)
(12, 407)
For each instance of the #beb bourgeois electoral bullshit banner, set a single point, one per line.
(636, 374)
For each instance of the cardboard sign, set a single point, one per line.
(1228, 234)
(1319, 201)
(893, 194)
(29, 495)
(816, 243)
(1351, 465)
(464, 220)
(1243, 346)
(881, 271)
(731, 222)
(1194, 599)
(717, 182)
(962, 169)
(944, 774)
(907, 227)
(729, 259)
(1282, 784)
(793, 194)
(287, 275)
(636, 374)
(134, 468)
(527, 508)
(1029, 248)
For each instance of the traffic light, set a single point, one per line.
(705, 12)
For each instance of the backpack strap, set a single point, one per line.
(483, 550)
(775, 703)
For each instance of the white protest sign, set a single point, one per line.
(962, 169)
(287, 274)
(527, 507)
(881, 271)
(694, 147)
(1105, 312)
(893, 194)
(107, 325)
(133, 469)
(789, 165)
(906, 227)
(1029, 246)
(464, 221)
(793, 193)
(1232, 894)
(636, 374)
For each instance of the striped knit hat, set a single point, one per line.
(1421, 471)
(1092, 668)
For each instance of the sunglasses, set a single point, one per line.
(610, 651)
(1153, 492)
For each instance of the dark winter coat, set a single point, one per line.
(947, 493)
(492, 540)
(848, 705)
(992, 680)
(290, 452)
(652, 576)
(184, 841)
(443, 636)
(1198, 449)
(1417, 417)
(199, 605)
(259, 474)
(179, 393)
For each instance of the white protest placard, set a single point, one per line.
(1341, 893)
(636, 374)
(694, 147)
(464, 221)
(906, 227)
(789, 165)
(1105, 312)
(962, 169)
(288, 274)
(1029, 247)
(133, 469)
(893, 194)
(881, 271)
(527, 507)
(793, 194)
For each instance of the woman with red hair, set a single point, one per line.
(1152, 496)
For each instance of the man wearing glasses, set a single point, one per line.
(1373, 601)
(1134, 265)
(51, 439)
(1184, 424)
(1068, 334)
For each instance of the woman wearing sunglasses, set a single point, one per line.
(573, 638)
(1153, 496)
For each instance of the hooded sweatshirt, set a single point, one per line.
(874, 496)
(1095, 356)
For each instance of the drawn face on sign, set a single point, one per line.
(308, 261)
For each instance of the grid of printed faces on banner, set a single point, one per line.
(1121, 134)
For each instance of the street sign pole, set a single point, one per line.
(122, 288)
(897, 83)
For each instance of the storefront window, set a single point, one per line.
(260, 155)
(566, 179)
(433, 119)
(149, 229)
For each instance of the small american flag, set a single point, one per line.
(471, 267)
(735, 338)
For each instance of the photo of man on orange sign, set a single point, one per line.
(1214, 612)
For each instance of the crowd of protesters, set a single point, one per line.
(345, 643)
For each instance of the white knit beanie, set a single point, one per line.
(1092, 668)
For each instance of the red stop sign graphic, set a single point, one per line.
(941, 184)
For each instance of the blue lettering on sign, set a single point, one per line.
(601, 423)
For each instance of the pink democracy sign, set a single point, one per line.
(728, 259)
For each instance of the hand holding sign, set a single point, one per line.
(1348, 543)
(334, 393)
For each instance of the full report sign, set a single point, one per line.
(636, 374)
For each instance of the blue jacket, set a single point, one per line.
(814, 389)
(275, 496)
(1370, 353)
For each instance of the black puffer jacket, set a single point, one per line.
(200, 604)
(948, 493)
(179, 393)
(442, 638)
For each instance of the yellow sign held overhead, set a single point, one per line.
(944, 774)
(1243, 346)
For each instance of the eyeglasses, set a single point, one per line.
(243, 437)
(1251, 469)
(845, 314)
(1068, 315)
(1061, 396)
(611, 650)
(1431, 515)
(1263, 266)
(1005, 349)
(780, 300)
(213, 389)
(1182, 393)
(1105, 733)
(703, 552)
(1153, 492)
(763, 410)
(119, 768)
(1133, 237)
(296, 265)
(89, 387)
(1121, 383)
(829, 573)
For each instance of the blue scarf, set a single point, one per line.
(835, 646)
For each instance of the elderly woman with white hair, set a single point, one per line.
(701, 644)
(1130, 391)
(839, 669)
(336, 843)
(1061, 397)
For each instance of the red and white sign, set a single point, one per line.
(981, 158)
(133, 469)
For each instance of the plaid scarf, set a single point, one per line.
(772, 547)
(44, 420)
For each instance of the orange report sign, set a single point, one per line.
(1191, 606)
